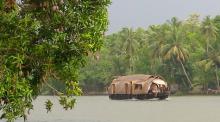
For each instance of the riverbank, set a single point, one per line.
(179, 93)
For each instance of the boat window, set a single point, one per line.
(113, 88)
(126, 88)
(138, 86)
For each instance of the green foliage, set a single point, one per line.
(42, 40)
(175, 50)
(48, 105)
(67, 103)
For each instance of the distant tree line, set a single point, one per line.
(185, 52)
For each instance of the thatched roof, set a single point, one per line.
(138, 77)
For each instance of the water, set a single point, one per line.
(101, 109)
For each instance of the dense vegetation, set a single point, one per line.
(43, 43)
(44, 40)
(186, 53)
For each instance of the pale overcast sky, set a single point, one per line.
(142, 13)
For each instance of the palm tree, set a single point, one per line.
(209, 30)
(212, 62)
(193, 22)
(156, 36)
(114, 46)
(129, 45)
(175, 49)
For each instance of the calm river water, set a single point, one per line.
(101, 109)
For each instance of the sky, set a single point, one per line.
(142, 13)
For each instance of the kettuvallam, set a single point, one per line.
(138, 86)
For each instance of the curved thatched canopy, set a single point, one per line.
(135, 78)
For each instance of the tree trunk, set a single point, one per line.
(216, 74)
(207, 49)
(130, 70)
(207, 46)
(187, 77)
